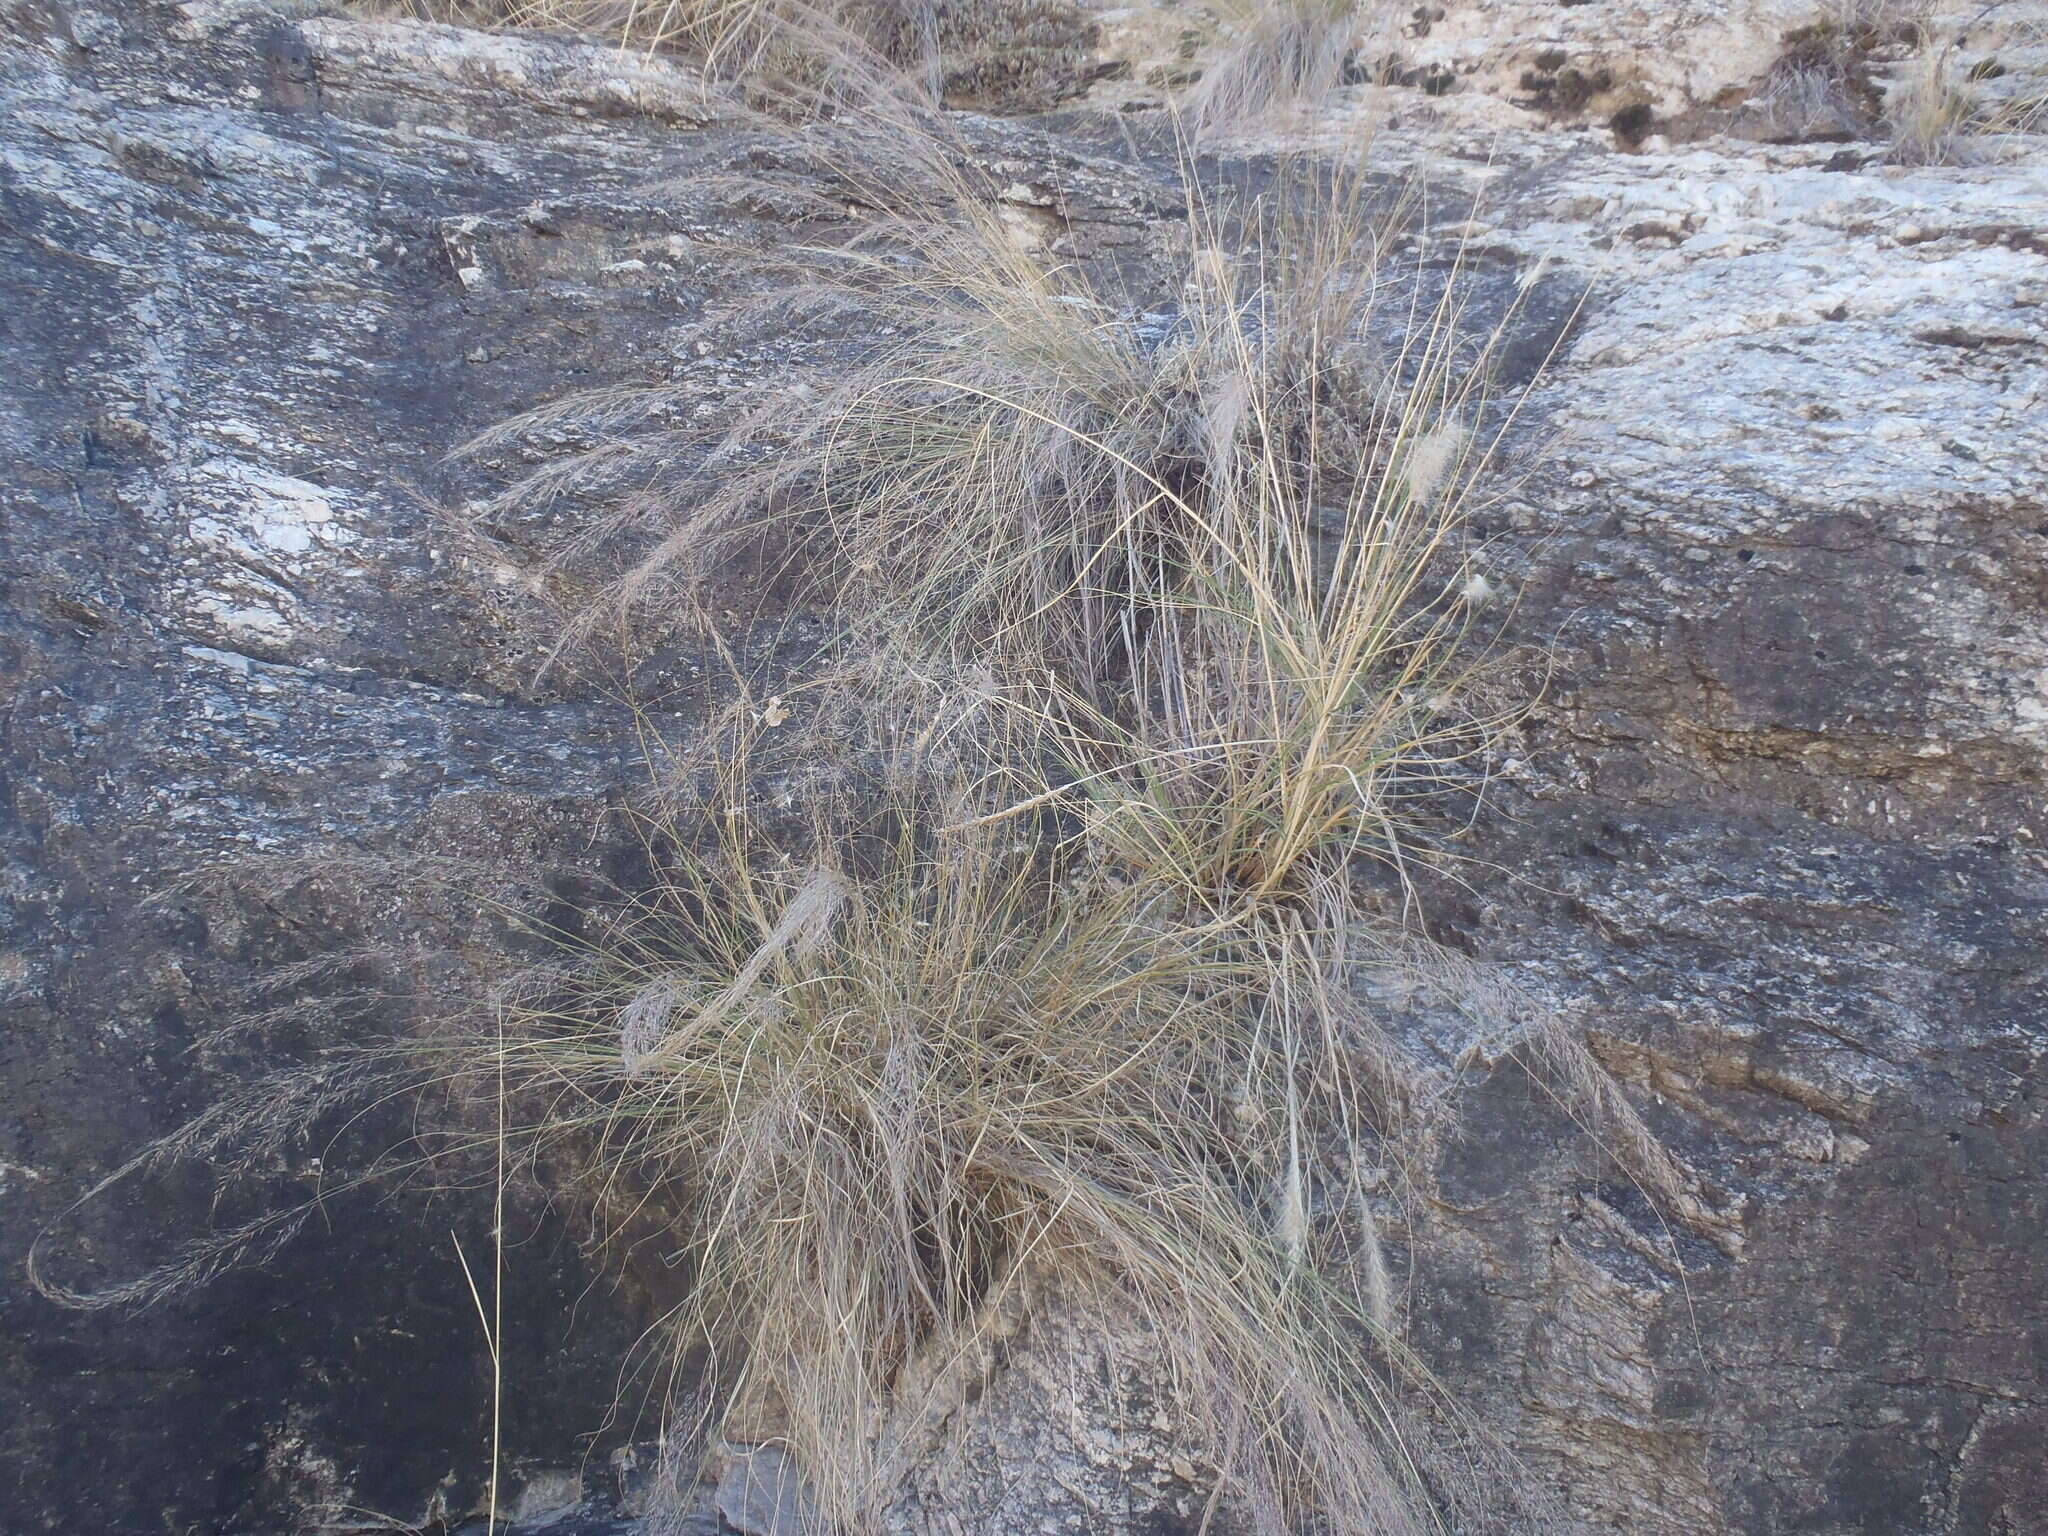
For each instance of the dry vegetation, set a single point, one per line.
(1267, 57)
(1153, 627)
(722, 31)
(890, 1083)
(799, 56)
(1275, 55)
(1159, 624)
(1889, 69)
(1204, 566)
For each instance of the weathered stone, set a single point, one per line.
(235, 627)
(761, 1493)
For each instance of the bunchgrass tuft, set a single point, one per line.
(1028, 467)
(1931, 113)
(887, 1074)
(1273, 57)
(1209, 561)
(1884, 68)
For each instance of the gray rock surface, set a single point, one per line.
(238, 342)
(1774, 844)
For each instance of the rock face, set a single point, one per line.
(1785, 803)
(1774, 845)
(243, 324)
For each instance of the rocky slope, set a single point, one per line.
(1775, 842)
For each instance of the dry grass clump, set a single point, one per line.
(1878, 68)
(886, 1080)
(1207, 560)
(1930, 113)
(1018, 464)
(862, 1082)
(800, 58)
(1276, 55)
(1825, 84)
(1941, 111)
(714, 29)
(1212, 550)
(795, 55)
(1817, 90)
(1305, 679)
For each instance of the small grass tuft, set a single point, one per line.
(1276, 56)
(1931, 113)
(1881, 68)
(792, 57)
(807, 58)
